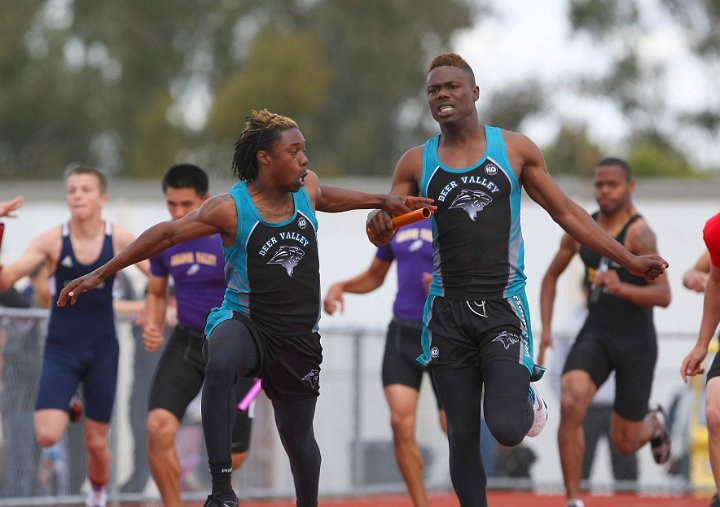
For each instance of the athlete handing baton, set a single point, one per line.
(398, 221)
(409, 218)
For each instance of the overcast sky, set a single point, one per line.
(532, 38)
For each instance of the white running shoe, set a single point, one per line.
(575, 502)
(540, 410)
(96, 497)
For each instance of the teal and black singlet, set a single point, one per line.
(272, 269)
(478, 245)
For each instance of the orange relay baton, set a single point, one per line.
(409, 218)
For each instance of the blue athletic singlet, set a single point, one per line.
(272, 269)
(92, 314)
(81, 346)
(478, 245)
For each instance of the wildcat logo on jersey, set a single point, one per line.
(471, 201)
(312, 377)
(288, 257)
(507, 339)
(491, 169)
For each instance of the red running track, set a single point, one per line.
(496, 499)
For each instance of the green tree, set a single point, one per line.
(117, 84)
(654, 157)
(634, 83)
(572, 152)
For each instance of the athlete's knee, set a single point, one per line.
(712, 415)
(161, 428)
(46, 438)
(572, 408)
(96, 443)
(219, 372)
(508, 431)
(508, 418)
(403, 426)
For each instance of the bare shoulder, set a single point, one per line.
(641, 239)
(408, 172)
(219, 211)
(47, 245)
(218, 205)
(48, 240)
(517, 143)
(412, 158)
(121, 236)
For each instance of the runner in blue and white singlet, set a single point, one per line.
(81, 344)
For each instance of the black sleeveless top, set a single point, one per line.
(612, 312)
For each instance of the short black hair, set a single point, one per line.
(186, 176)
(621, 163)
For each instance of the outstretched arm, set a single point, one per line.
(365, 282)
(36, 253)
(334, 199)
(215, 215)
(573, 218)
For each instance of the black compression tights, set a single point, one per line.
(294, 420)
(232, 353)
(508, 414)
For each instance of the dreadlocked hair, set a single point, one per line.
(262, 129)
(451, 60)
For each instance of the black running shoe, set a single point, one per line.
(217, 500)
(660, 443)
(75, 409)
(715, 501)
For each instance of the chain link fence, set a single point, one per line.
(352, 426)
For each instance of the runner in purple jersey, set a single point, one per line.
(197, 267)
(401, 374)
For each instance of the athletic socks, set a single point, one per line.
(97, 496)
(221, 474)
